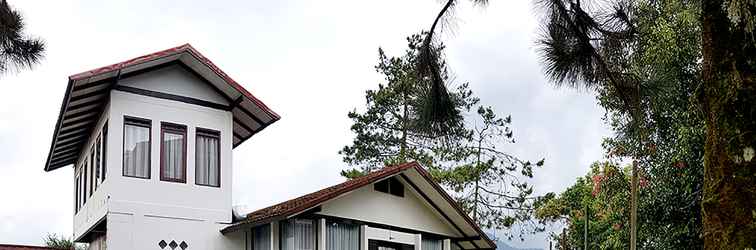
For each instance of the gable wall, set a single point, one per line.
(410, 211)
(175, 80)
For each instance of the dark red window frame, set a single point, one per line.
(207, 133)
(140, 122)
(173, 128)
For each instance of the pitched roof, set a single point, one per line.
(87, 94)
(21, 247)
(303, 203)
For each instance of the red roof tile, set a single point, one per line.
(302, 203)
(172, 51)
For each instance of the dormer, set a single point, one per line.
(153, 136)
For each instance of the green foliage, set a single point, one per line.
(489, 183)
(387, 132)
(602, 195)
(17, 50)
(60, 242)
(666, 62)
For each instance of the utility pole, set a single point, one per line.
(634, 206)
(585, 234)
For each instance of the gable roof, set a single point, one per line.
(474, 236)
(21, 247)
(87, 94)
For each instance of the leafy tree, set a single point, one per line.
(667, 54)
(60, 242)
(387, 131)
(601, 195)
(17, 50)
(594, 47)
(727, 99)
(490, 184)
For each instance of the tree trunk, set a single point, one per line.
(728, 101)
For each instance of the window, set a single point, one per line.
(298, 234)
(429, 243)
(104, 150)
(207, 158)
(95, 171)
(172, 152)
(261, 237)
(390, 186)
(136, 147)
(85, 169)
(98, 161)
(76, 193)
(342, 236)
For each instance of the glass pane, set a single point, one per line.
(342, 236)
(173, 156)
(136, 151)
(207, 162)
(298, 235)
(261, 238)
(431, 244)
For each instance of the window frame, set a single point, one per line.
(207, 133)
(139, 122)
(390, 187)
(95, 171)
(98, 159)
(104, 152)
(173, 128)
(76, 193)
(84, 168)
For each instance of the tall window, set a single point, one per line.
(84, 169)
(136, 147)
(173, 152)
(76, 193)
(298, 234)
(261, 237)
(207, 158)
(342, 236)
(95, 170)
(98, 160)
(104, 150)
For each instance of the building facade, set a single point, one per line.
(151, 142)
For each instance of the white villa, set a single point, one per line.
(151, 141)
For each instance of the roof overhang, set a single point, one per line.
(88, 93)
(420, 181)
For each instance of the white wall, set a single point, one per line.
(141, 212)
(95, 207)
(409, 212)
(137, 231)
(169, 199)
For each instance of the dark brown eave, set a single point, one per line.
(88, 93)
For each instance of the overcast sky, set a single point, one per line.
(310, 61)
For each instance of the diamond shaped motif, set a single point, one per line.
(173, 244)
(183, 245)
(162, 244)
